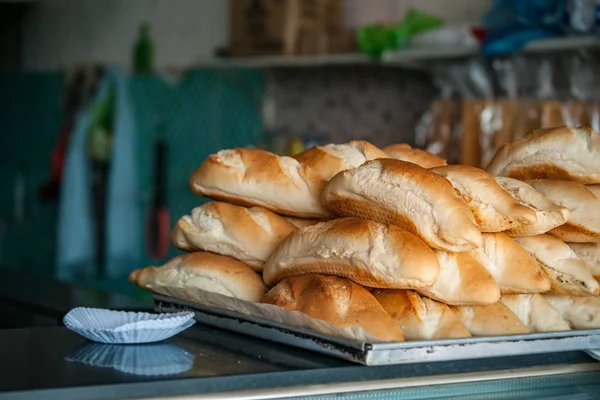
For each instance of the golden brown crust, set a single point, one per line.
(462, 281)
(330, 159)
(494, 209)
(420, 318)
(490, 320)
(515, 270)
(248, 234)
(556, 153)
(188, 273)
(251, 177)
(408, 196)
(548, 214)
(583, 221)
(404, 152)
(367, 252)
(337, 301)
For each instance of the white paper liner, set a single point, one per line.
(266, 311)
(107, 326)
(145, 359)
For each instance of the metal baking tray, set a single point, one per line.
(386, 353)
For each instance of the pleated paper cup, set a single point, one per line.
(145, 359)
(118, 327)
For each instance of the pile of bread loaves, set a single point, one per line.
(397, 242)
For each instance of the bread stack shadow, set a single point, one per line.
(398, 243)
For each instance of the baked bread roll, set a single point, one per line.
(420, 318)
(404, 194)
(330, 159)
(490, 320)
(590, 254)
(369, 253)
(567, 272)
(248, 234)
(555, 153)
(535, 312)
(250, 177)
(594, 189)
(420, 157)
(494, 209)
(583, 222)
(579, 312)
(462, 281)
(515, 270)
(300, 223)
(548, 214)
(336, 300)
(186, 276)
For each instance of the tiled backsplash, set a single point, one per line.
(378, 104)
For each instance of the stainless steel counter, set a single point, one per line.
(207, 363)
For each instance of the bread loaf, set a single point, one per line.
(187, 275)
(248, 234)
(590, 254)
(548, 214)
(251, 177)
(420, 318)
(567, 272)
(494, 208)
(404, 194)
(555, 153)
(420, 157)
(583, 222)
(330, 159)
(579, 312)
(535, 312)
(490, 320)
(367, 252)
(337, 301)
(462, 281)
(515, 270)
(302, 222)
(594, 189)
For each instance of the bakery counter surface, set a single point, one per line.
(46, 363)
(28, 300)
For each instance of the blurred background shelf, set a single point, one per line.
(411, 57)
(414, 56)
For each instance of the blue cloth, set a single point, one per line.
(76, 244)
(511, 24)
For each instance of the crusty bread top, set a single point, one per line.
(203, 271)
(549, 215)
(554, 153)
(515, 270)
(404, 152)
(535, 312)
(252, 177)
(583, 205)
(336, 300)
(569, 274)
(490, 320)
(590, 254)
(481, 191)
(420, 318)
(403, 193)
(248, 234)
(367, 252)
(462, 281)
(330, 159)
(594, 189)
(579, 312)
(302, 222)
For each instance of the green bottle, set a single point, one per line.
(143, 52)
